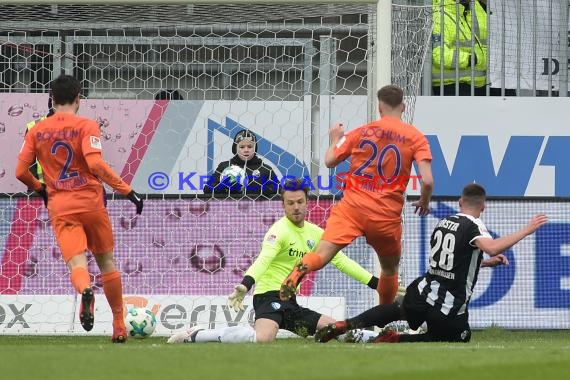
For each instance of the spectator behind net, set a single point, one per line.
(260, 178)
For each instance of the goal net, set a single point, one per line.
(171, 85)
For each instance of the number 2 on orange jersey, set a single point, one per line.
(64, 173)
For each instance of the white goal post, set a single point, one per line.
(171, 83)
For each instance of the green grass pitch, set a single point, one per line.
(491, 354)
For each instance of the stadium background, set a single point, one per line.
(286, 81)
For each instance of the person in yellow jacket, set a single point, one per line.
(459, 46)
(36, 168)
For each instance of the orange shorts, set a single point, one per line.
(346, 224)
(75, 233)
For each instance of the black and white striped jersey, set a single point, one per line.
(454, 263)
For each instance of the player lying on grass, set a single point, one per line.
(440, 297)
(285, 242)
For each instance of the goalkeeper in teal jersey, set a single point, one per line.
(284, 244)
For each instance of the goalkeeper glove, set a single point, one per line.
(235, 300)
(43, 193)
(137, 200)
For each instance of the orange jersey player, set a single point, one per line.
(382, 156)
(68, 148)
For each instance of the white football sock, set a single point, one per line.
(237, 334)
(233, 334)
(210, 335)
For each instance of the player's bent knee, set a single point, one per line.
(264, 337)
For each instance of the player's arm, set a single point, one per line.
(426, 190)
(26, 157)
(494, 247)
(101, 169)
(339, 148)
(494, 261)
(351, 268)
(91, 149)
(423, 157)
(24, 175)
(269, 249)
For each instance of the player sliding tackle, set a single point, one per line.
(441, 296)
(286, 240)
(382, 155)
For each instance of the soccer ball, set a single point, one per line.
(140, 322)
(233, 174)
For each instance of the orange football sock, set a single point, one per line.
(80, 279)
(113, 289)
(312, 261)
(387, 288)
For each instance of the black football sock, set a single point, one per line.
(409, 338)
(379, 316)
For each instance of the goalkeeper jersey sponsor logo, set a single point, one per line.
(296, 253)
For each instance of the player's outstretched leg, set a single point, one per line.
(289, 286)
(331, 331)
(231, 334)
(86, 309)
